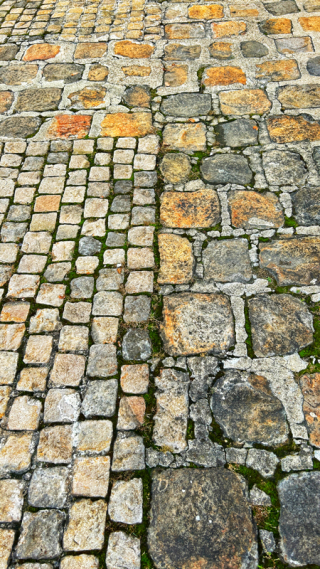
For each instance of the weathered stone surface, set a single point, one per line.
(19, 127)
(98, 72)
(41, 51)
(127, 124)
(221, 50)
(90, 50)
(128, 452)
(125, 504)
(123, 551)
(68, 370)
(227, 261)
(310, 387)
(294, 45)
(18, 74)
(255, 210)
(246, 409)
(100, 398)
(306, 206)
(214, 526)
(186, 105)
(134, 378)
(136, 345)
(55, 445)
(40, 537)
(15, 453)
(137, 96)
(133, 50)
(61, 406)
(102, 360)
(175, 167)
(185, 137)
(226, 169)
(278, 70)
(91, 476)
(263, 461)
(276, 26)
(226, 75)
(299, 518)
(6, 542)
(192, 209)
(196, 323)
(131, 413)
(280, 324)
(24, 414)
(136, 309)
(240, 132)
(293, 129)
(83, 561)
(11, 500)
(292, 261)
(228, 29)
(209, 12)
(69, 126)
(49, 487)
(253, 49)
(38, 99)
(313, 66)
(94, 437)
(85, 530)
(246, 101)
(174, 51)
(176, 259)
(299, 96)
(283, 167)
(175, 75)
(8, 52)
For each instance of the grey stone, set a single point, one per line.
(49, 487)
(82, 287)
(40, 537)
(8, 52)
(126, 502)
(143, 215)
(180, 51)
(267, 540)
(57, 272)
(301, 461)
(205, 453)
(280, 324)
(247, 411)
(263, 461)
(123, 551)
(200, 412)
(109, 279)
(86, 526)
(283, 167)
(107, 303)
(214, 525)
(143, 179)
(152, 457)
(13, 231)
(227, 261)
(236, 455)
(33, 163)
(128, 452)
(100, 398)
(89, 246)
(121, 204)
(137, 308)
(300, 518)
(313, 66)
(259, 497)
(306, 206)
(203, 371)
(253, 49)
(226, 169)
(77, 312)
(186, 105)
(67, 72)
(58, 158)
(136, 345)
(281, 8)
(61, 406)
(19, 127)
(316, 157)
(115, 239)
(123, 187)
(102, 360)
(240, 132)
(38, 99)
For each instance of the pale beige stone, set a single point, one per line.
(24, 414)
(94, 436)
(11, 500)
(68, 370)
(135, 378)
(6, 544)
(104, 330)
(15, 453)
(15, 312)
(55, 444)
(73, 339)
(131, 413)
(83, 561)
(85, 530)
(23, 286)
(33, 379)
(45, 320)
(126, 501)
(86, 265)
(140, 258)
(51, 294)
(63, 251)
(139, 281)
(32, 264)
(5, 392)
(91, 476)
(8, 367)
(11, 336)
(38, 350)
(141, 236)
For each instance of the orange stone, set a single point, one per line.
(184, 137)
(190, 209)
(252, 209)
(70, 126)
(88, 98)
(176, 259)
(184, 31)
(221, 50)
(41, 51)
(90, 50)
(246, 102)
(199, 12)
(136, 71)
(310, 24)
(127, 124)
(98, 72)
(175, 75)
(133, 50)
(284, 129)
(236, 12)
(276, 26)
(6, 100)
(310, 387)
(224, 76)
(227, 29)
(278, 70)
(47, 203)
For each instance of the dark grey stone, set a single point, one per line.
(49, 487)
(316, 157)
(227, 261)
(100, 398)
(313, 66)
(253, 49)
(115, 239)
(226, 169)
(299, 496)
(136, 345)
(201, 518)
(40, 537)
(137, 308)
(38, 99)
(280, 324)
(186, 105)
(19, 127)
(67, 72)
(58, 158)
(247, 411)
(203, 371)
(123, 187)
(306, 206)
(281, 8)
(205, 453)
(121, 204)
(283, 167)
(145, 179)
(240, 132)
(82, 287)
(8, 52)
(89, 246)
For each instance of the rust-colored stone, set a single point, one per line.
(221, 50)
(224, 76)
(242, 12)
(88, 98)
(310, 23)
(41, 51)
(191, 209)
(6, 100)
(98, 72)
(133, 50)
(127, 124)
(70, 126)
(310, 387)
(175, 75)
(47, 203)
(253, 209)
(299, 96)
(185, 137)
(284, 129)
(176, 259)
(90, 50)
(199, 12)
(227, 29)
(136, 71)
(244, 102)
(276, 26)
(278, 70)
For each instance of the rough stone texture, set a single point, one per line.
(310, 387)
(306, 207)
(85, 530)
(263, 461)
(176, 259)
(11, 500)
(214, 526)
(175, 167)
(283, 167)
(280, 325)
(186, 105)
(128, 452)
(40, 537)
(123, 551)
(226, 169)
(125, 504)
(91, 476)
(227, 261)
(194, 209)
(251, 210)
(136, 345)
(293, 261)
(196, 323)
(49, 487)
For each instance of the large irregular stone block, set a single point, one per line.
(299, 96)
(19, 127)
(247, 411)
(292, 261)
(244, 102)
(240, 132)
(283, 167)
(300, 518)
(226, 169)
(176, 259)
(201, 518)
(175, 167)
(286, 128)
(185, 137)
(280, 324)
(127, 124)
(251, 210)
(227, 261)
(191, 209)
(306, 206)
(310, 387)
(196, 323)
(186, 105)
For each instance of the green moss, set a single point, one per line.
(290, 222)
(248, 330)
(314, 348)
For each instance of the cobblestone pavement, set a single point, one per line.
(160, 284)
